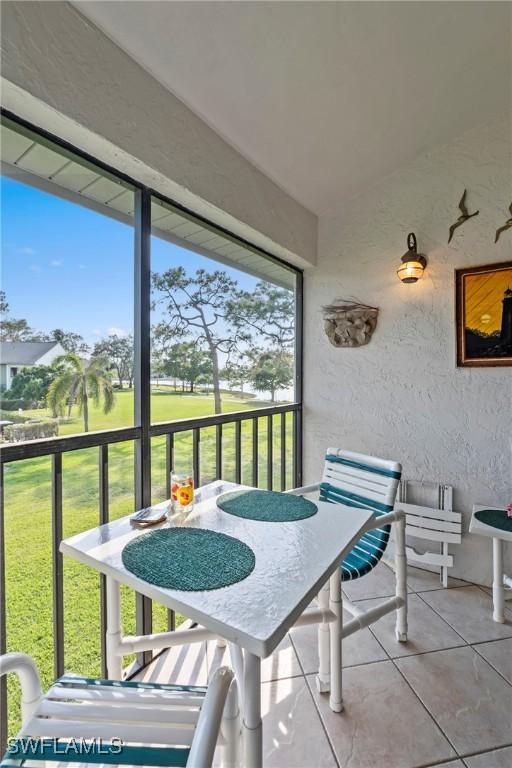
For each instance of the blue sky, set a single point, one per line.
(65, 266)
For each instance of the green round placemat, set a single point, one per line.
(269, 506)
(191, 559)
(498, 518)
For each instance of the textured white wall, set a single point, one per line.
(63, 74)
(402, 397)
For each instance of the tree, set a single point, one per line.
(71, 342)
(188, 363)
(118, 350)
(236, 373)
(272, 370)
(32, 383)
(12, 329)
(157, 367)
(78, 382)
(268, 311)
(197, 304)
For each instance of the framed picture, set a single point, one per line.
(483, 301)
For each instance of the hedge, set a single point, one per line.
(14, 405)
(16, 418)
(16, 433)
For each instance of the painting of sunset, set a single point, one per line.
(484, 315)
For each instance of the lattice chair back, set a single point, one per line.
(366, 482)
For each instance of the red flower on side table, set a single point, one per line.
(509, 510)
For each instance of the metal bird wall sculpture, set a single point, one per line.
(463, 217)
(506, 225)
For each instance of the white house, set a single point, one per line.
(23, 354)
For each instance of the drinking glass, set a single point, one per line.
(182, 491)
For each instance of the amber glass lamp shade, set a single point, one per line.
(413, 263)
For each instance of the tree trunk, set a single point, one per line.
(85, 410)
(215, 365)
(272, 395)
(216, 380)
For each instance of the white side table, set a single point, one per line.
(502, 584)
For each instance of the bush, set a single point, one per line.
(16, 433)
(15, 417)
(31, 384)
(13, 405)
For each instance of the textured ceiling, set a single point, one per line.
(324, 97)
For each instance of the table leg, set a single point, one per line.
(252, 729)
(323, 679)
(336, 630)
(113, 634)
(498, 592)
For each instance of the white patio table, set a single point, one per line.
(501, 584)
(294, 561)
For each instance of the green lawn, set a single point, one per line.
(28, 523)
(166, 405)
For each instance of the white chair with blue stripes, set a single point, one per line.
(357, 480)
(87, 721)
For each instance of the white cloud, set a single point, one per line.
(55, 263)
(35, 268)
(27, 250)
(113, 331)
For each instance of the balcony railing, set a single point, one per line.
(261, 447)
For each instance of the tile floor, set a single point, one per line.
(443, 699)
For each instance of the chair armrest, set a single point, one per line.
(206, 735)
(304, 489)
(24, 666)
(391, 517)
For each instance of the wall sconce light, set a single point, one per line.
(413, 263)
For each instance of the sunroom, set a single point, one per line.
(255, 391)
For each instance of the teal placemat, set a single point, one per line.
(496, 517)
(270, 506)
(191, 559)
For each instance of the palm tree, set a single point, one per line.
(78, 382)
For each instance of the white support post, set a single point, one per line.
(230, 728)
(444, 568)
(113, 633)
(252, 730)
(401, 578)
(498, 592)
(237, 662)
(323, 679)
(336, 632)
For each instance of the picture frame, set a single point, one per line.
(483, 315)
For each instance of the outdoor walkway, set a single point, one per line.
(444, 698)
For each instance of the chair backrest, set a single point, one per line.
(360, 481)
(366, 482)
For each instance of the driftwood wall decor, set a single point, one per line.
(349, 323)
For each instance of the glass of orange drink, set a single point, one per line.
(182, 491)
